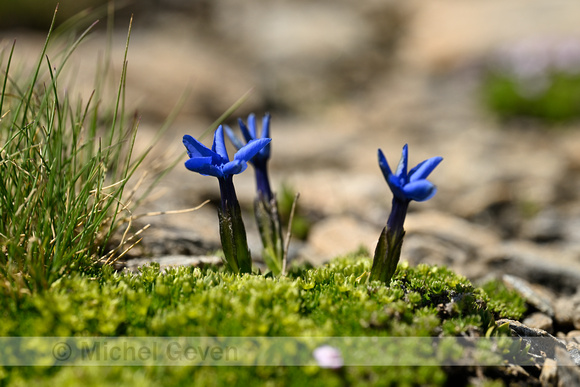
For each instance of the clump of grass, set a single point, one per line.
(65, 164)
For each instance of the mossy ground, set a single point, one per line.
(333, 300)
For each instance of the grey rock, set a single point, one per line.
(533, 294)
(551, 267)
(576, 312)
(451, 228)
(482, 26)
(568, 372)
(437, 238)
(339, 235)
(165, 262)
(573, 335)
(539, 321)
(542, 344)
(167, 240)
(549, 374)
(564, 311)
(544, 227)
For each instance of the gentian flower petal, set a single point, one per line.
(245, 132)
(251, 149)
(250, 132)
(234, 167)
(396, 187)
(252, 125)
(266, 126)
(409, 186)
(384, 165)
(204, 166)
(265, 153)
(423, 169)
(420, 190)
(196, 148)
(219, 145)
(215, 162)
(233, 138)
(402, 167)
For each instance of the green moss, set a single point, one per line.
(332, 300)
(557, 101)
(505, 303)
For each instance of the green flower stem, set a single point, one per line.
(269, 225)
(388, 250)
(232, 230)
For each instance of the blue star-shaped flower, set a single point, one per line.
(215, 161)
(405, 187)
(413, 185)
(260, 160)
(250, 132)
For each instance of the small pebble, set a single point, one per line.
(539, 320)
(574, 335)
(534, 295)
(564, 311)
(549, 374)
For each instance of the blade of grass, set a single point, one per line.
(38, 66)
(227, 113)
(6, 80)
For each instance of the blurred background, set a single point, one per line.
(493, 87)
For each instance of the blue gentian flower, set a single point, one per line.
(250, 132)
(406, 186)
(260, 160)
(265, 205)
(216, 162)
(410, 186)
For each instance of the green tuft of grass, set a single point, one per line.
(65, 165)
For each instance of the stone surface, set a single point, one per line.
(568, 373)
(339, 235)
(549, 374)
(542, 348)
(550, 267)
(576, 311)
(540, 321)
(435, 43)
(174, 260)
(535, 295)
(564, 311)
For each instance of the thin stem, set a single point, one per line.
(262, 180)
(289, 233)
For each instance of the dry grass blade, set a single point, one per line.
(289, 233)
(172, 212)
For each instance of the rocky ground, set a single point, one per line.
(342, 80)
